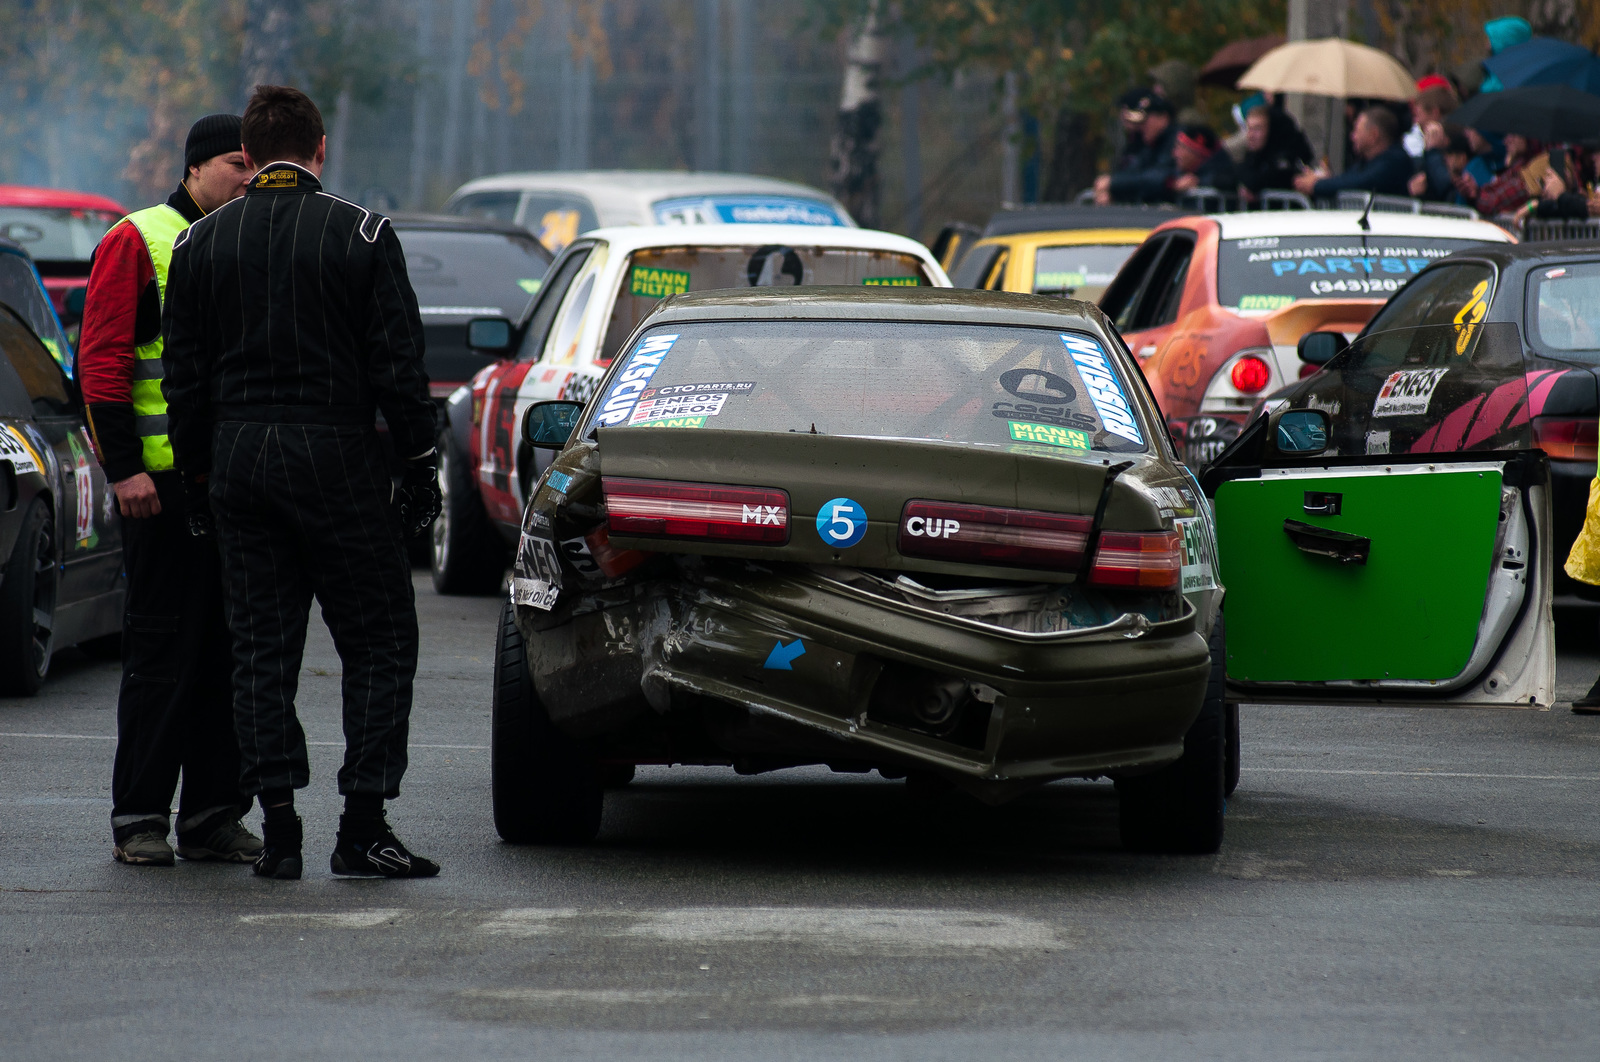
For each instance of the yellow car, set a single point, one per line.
(1069, 251)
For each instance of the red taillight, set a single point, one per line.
(978, 534)
(1566, 438)
(1150, 560)
(1250, 375)
(697, 510)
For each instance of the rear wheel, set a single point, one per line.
(28, 605)
(1179, 808)
(546, 788)
(467, 556)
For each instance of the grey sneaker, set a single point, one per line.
(147, 849)
(220, 839)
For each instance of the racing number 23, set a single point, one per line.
(841, 522)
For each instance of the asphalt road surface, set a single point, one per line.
(1394, 884)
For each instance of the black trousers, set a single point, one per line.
(175, 708)
(302, 511)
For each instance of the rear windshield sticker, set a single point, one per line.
(1049, 435)
(1064, 416)
(1406, 392)
(1265, 302)
(663, 407)
(842, 522)
(891, 282)
(745, 210)
(1038, 385)
(678, 422)
(530, 284)
(634, 378)
(741, 387)
(1104, 390)
(657, 283)
(1198, 571)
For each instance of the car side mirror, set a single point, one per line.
(74, 303)
(1319, 348)
(489, 335)
(548, 425)
(1299, 432)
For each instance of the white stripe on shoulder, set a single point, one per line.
(370, 226)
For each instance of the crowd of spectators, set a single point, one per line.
(1168, 152)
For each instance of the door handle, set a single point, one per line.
(1323, 503)
(1321, 542)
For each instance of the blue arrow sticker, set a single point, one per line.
(841, 522)
(782, 656)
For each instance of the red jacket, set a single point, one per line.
(121, 310)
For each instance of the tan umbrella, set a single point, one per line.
(1330, 67)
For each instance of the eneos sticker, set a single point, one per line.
(657, 283)
(842, 522)
(663, 407)
(1104, 390)
(633, 379)
(1049, 435)
(1406, 392)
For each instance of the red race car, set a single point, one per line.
(60, 230)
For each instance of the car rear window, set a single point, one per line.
(1564, 309)
(473, 274)
(1032, 390)
(53, 234)
(1453, 294)
(654, 273)
(1270, 272)
(1082, 271)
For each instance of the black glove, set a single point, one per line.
(197, 505)
(416, 500)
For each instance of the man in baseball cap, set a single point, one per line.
(175, 708)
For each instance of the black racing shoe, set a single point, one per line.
(280, 852)
(380, 855)
(1589, 703)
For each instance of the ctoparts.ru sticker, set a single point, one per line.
(1406, 392)
(642, 364)
(1104, 390)
(1199, 569)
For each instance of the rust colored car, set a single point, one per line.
(1212, 307)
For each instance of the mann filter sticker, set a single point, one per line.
(842, 522)
(1104, 390)
(891, 282)
(14, 447)
(735, 387)
(1406, 392)
(536, 578)
(530, 284)
(633, 379)
(1049, 435)
(669, 406)
(1265, 302)
(1199, 568)
(679, 422)
(655, 283)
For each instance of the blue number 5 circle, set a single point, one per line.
(841, 522)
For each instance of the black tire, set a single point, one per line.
(465, 554)
(546, 788)
(1230, 781)
(28, 605)
(1179, 809)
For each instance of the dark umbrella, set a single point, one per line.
(1540, 61)
(1232, 60)
(1552, 113)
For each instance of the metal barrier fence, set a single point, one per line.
(1563, 230)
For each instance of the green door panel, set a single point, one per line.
(1411, 612)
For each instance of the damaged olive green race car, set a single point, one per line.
(927, 532)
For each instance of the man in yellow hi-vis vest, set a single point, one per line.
(175, 709)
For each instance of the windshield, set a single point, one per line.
(656, 272)
(1078, 272)
(55, 234)
(473, 274)
(1270, 272)
(1032, 390)
(1430, 389)
(1564, 311)
(746, 210)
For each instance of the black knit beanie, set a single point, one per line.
(213, 135)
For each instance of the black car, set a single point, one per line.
(60, 537)
(463, 268)
(1549, 294)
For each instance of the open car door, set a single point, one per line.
(1383, 535)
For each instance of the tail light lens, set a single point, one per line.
(1250, 375)
(979, 534)
(1567, 438)
(697, 510)
(1151, 560)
